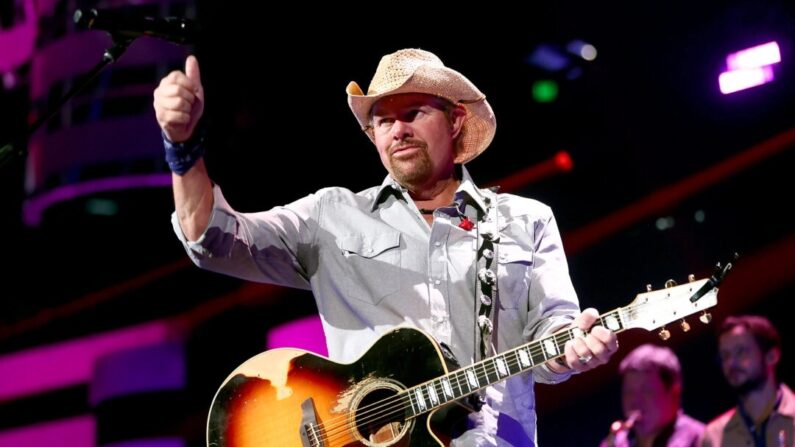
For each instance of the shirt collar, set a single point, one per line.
(466, 189)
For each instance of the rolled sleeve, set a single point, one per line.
(261, 247)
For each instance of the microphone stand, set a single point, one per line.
(18, 147)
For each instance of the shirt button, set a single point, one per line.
(437, 282)
(437, 243)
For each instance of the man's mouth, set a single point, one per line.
(404, 151)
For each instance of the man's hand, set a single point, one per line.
(593, 349)
(179, 102)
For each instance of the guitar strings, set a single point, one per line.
(385, 409)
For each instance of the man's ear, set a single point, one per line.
(773, 356)
(457, 116)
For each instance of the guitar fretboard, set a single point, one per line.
(465, 381)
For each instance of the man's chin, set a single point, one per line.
(409, 173)
(745, 385)
(409, 180)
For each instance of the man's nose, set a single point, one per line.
(401, 130)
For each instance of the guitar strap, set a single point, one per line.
(486, 289)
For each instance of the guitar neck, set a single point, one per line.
(649, 310)
(433, 394)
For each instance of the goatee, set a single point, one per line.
(749, 385)
(413, 170)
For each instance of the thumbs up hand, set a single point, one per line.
(179, 101)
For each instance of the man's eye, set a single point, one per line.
(383, 122)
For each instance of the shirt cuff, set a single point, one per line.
(219, 217)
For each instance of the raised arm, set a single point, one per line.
(179, 104)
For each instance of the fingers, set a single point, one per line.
(173, 119)
(586, 319)
(578, 356)
(592, 349)
(179, 78)
(598, 345)
(179, 101)
(174, 98)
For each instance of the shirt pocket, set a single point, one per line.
(372, 262)
(514, 268)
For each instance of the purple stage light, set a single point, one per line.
(304, 333)
(77, 431)
(69, 363)
(749, 68)
(754, 57)
(34, 208)
(736, 80)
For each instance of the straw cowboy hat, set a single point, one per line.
(419, 71)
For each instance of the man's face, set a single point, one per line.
(645, 392)
(415, 137)
(742, 361)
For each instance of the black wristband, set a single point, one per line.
(182, 156)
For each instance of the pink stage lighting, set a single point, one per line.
(749, 68)
(304, 333)
(754, 57)
(736, 80)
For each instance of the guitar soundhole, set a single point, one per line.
(380, 416)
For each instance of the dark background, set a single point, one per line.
(647, 113)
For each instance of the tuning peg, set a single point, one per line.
(705, 317)
(670, 283)
(664, 334)
(684, 325)
(691, 277)
(648, 287)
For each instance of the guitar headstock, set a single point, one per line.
(656, 308)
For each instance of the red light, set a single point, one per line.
(563, 161)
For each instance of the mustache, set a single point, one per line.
(408, 142)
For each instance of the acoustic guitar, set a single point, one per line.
(404, 390)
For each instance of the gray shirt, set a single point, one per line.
(373, 263)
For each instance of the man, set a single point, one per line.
(750, 349)
(416, 250)
(651, 397)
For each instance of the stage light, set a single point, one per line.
(582, 49)
(545, 90)
(749, 68)
(664, 223)
(102, 207)
(548, 57)
(736, 80)
(754, 57)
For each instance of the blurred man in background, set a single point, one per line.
(651, 392)
(749, 347)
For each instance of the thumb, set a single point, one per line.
(192, 69)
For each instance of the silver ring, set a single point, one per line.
(585, 359)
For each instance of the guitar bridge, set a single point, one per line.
(310, 431)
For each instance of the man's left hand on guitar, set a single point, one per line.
(594, 348)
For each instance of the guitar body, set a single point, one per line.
(264, 401)
(397, 393)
